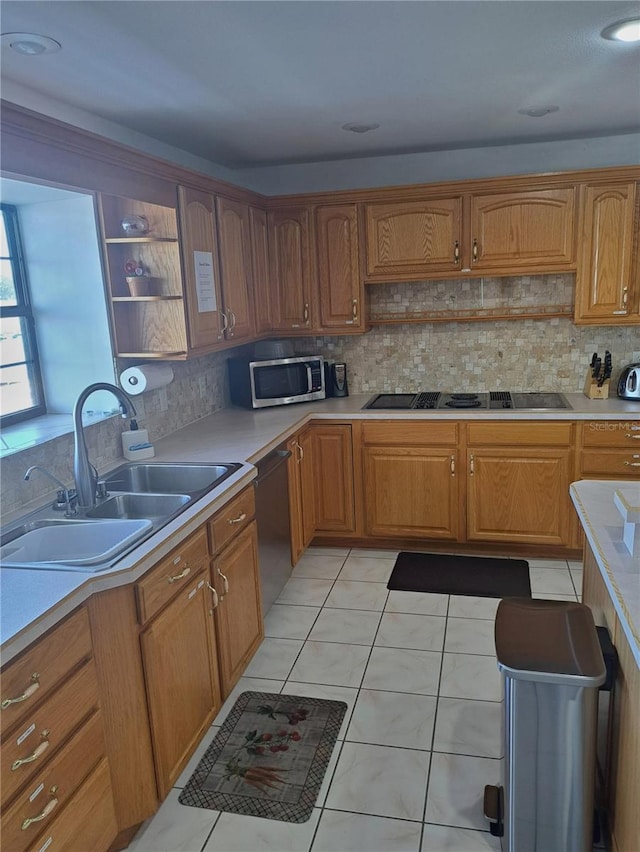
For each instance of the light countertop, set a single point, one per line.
(32, 601)
(620, 569)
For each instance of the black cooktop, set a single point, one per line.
(494, 400)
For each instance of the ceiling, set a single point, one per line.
(248, 83)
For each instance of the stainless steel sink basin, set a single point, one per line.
(168, 478)
(136, 506)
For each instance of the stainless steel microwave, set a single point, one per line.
(280, 381)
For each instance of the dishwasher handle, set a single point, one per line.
(269, 465)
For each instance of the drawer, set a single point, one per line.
(234, 517)
(88, 822)
(46, 727)
(416, 433)
(56, 782)
(611, 433)
(519, 434)
(30, 678)
(613, 463)
(167, 578)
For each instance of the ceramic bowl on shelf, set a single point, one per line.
(135, 226)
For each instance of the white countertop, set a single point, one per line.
(620, 570)
(32, 601)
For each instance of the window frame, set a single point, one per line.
(24, 311)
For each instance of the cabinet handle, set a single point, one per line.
(44, 745)
(633, 437)
(216, 599)
(232, 320)
(625, 296)
(179, 576)
(300, 451)
(631, 464)
(7, 702)
(224, 580)
(453, 466)
(634, 428)
(51, 804)
(225, 322)
(471, 466)
(237, 520)
(456, 252)
(475, 251)
(305, 313)
(354, 309)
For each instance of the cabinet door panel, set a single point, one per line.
(260, 269)
(235, 266)
(198, 234)
(333, 478)
(289, 257)
(515, 495)
(341, 296)
(533, 229)
(411, 492)
(412, 237)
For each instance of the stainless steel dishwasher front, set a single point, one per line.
(272, 517)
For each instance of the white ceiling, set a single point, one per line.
(247, 83)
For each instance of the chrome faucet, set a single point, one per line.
(83, 471)
(67, 496)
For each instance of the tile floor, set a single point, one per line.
(421, 736)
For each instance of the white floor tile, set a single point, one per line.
(470, 676)
(400, 670)
(284, 621)
(456, 789)
(345, 832)
(393, 719)
(373, 552)
(238, 833)
(175, 828)
(347, 694)
(328, 551)
(318, 566)
(469, 727)
(445, 838)
(368, 569)
(418, 603)
(331, 663)
(466, 606)
(247, 684)
(354, 626)
(274, 658)
(357, 595)
(470, 636)
(577, 577)
(197, 756)
(548, 563)
(305, 592)
(547, 581)
(382, 781)
(545, 596)
(403, 630)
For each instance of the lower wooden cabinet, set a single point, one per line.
(333, 477)
(301, 492)
(609, 449)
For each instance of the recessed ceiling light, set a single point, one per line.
(628, 30)
(354, 127)
(538, 112)
(30, 44)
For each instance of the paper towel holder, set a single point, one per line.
(145, 377)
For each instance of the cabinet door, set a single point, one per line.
(532, 229)
(411, 492)
(333, 478)
(412, 238)
(181, 674)
(235, 266)
(301, 493)
(260, 264)
(341, 292)
(519, 495)
(289, 257)
(603, 276)
(239, 625)
(200, 261)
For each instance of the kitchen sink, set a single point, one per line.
(169, 478)
(136, 506)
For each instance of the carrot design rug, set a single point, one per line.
(269, 757)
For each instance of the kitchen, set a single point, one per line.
(402, 356)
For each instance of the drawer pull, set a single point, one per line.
(7, 702)
(44, 745)
(216, 599)
(239, 519)
(51, 804)
(224, 580)
(633, 437)
(631, 464)
(179, 576)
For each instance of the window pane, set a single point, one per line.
(15, 388)
(12, 340)
(4, 243)
(7, 287)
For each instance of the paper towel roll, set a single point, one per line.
(145, 377)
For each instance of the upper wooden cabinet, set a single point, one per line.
(290, 268)
(234, 232)
(409, 239)
(605, 290)
(528, 229)
(261, 295)
(341, 289)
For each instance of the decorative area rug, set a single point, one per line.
(479, 576)
(269, 757)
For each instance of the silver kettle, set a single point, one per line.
(629, 382)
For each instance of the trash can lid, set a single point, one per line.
(552, 641)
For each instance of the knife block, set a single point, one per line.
(592, 390)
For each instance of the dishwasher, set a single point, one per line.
(272, 517)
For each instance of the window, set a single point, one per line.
(20, 379)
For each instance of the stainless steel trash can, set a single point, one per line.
(550, 658)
